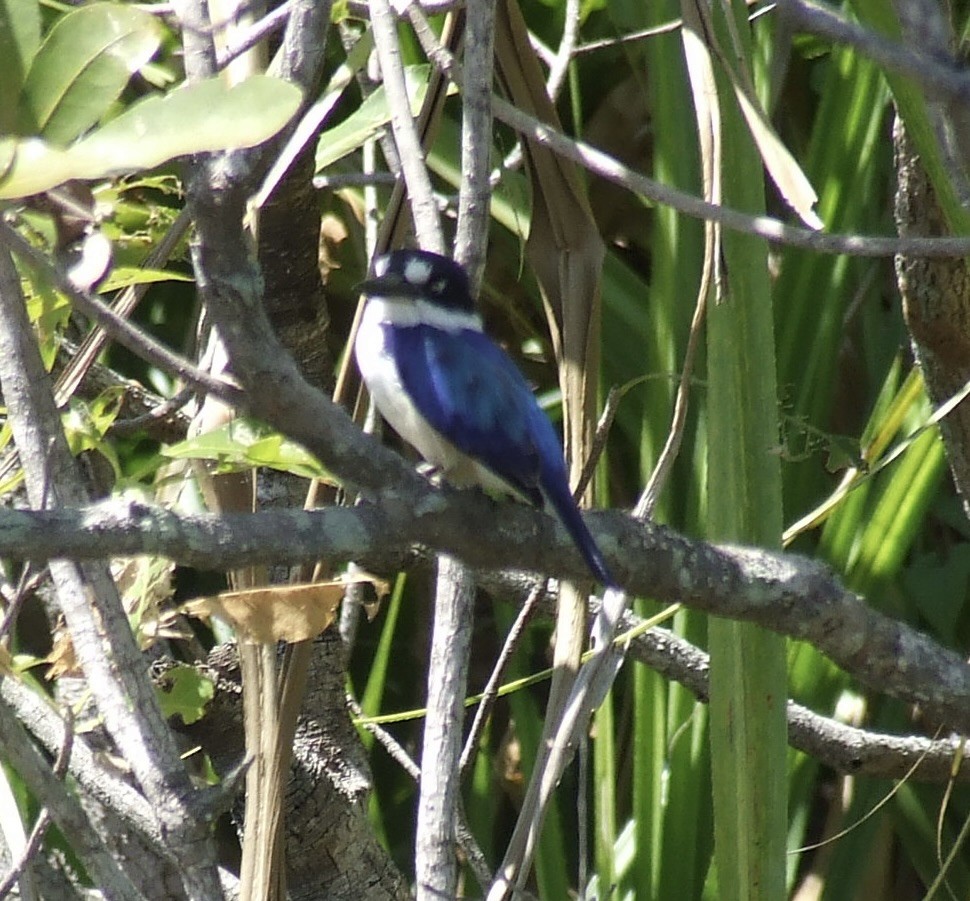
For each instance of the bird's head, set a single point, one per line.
(420, 275)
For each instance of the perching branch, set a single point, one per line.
(788, 594)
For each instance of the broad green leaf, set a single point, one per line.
(83, 66)
(205, 117)
(243, 444)
(368, 120)
(87, 422)
(19, 39)
(126, 276)
(278, 453)
(186, 692)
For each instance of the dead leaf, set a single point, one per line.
(61, 658)
(275, 613)
(783, 168)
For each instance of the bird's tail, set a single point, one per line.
(565, 507)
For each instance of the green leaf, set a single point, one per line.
(243, 444)
(83, 66)
(126, 276)
(19, 39)
(368, 119)
(87, 422)
(186, 693)
(204, 117)
(278, 453)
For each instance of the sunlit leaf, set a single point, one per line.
(19, 39)
(125, 276)
(185, 692)
(277, 613)
(244, 443)
(82, 67)
(204, 117)
(368, 119)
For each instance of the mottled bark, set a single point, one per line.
(330, 848)
(936, 305)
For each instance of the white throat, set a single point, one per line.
(411, 312)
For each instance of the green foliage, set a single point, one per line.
(245, 444)
(847, 396)
(81, 68)
(58, 89)
(205, 116)
(367, 121)
(185, 693)
(86, 425)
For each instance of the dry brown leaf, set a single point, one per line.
(782, 167)
(275, 613)
(282, 612)
(564, 246)
(61, 659)
(791, 181)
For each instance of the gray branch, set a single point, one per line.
(89, 600)
(64, 807)
(788, 594)
(846, 749)
(92, 775)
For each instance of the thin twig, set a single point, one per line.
(610, 407)
(491, 691)
(254, 33)
(466, 841)
(938, 77)
(600, 163)
(120, 329)
(162, 412)
(423, 207)
(567, 47)
(27, 583)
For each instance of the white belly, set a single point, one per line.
(380, 373)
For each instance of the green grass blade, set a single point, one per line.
(748, 677)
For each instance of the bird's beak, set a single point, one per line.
(389, 285)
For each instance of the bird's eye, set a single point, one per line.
(439, 286)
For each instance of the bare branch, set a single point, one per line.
(422, 203)
(88, 598)
(858, 752)
(36, 839)
(64, 807)
(613, 170)
(471, 240)
(436, 866)
(939, 77)
(439, 803)
(96, 779)
(788, 594)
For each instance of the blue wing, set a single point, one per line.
(472, 393)
(467, 389)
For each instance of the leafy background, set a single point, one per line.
(847, 391)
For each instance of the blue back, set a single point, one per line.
(473, 394)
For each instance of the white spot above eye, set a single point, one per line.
(417, 271)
